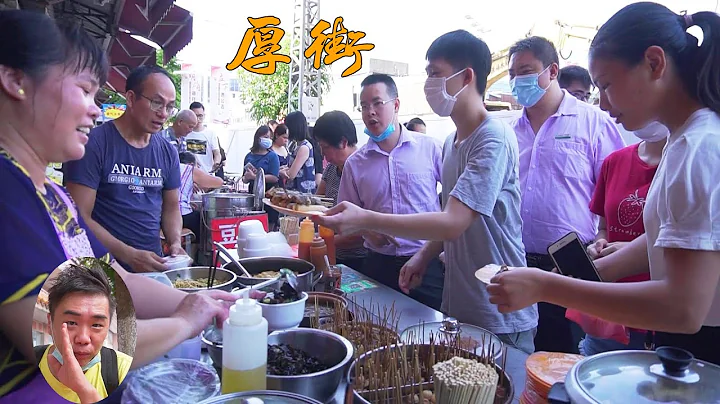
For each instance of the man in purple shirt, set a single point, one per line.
(563, 142)
(397, 172)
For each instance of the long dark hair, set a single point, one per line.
(262, 130)
(32, 42)
(297, 126)
(627, 35)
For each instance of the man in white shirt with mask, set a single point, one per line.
(203, 143)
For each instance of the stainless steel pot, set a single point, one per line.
(469, 337)
(328, 347)
(267, 397)
(219, 204)
(667, 375)
(224, 279)
(366, 396)
(306, 276)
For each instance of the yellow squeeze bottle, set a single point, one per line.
(244, 357)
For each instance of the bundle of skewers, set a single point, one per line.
(367, 329)
(425, 374)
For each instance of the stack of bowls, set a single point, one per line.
(247, 229)
(543, 370)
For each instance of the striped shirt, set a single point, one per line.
(332, 176)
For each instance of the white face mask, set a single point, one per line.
(437, 96)
(654, 132)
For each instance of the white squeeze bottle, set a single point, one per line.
(244, 356)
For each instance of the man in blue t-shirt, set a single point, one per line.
(126, 185)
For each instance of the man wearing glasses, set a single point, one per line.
(126, 185)
(576, 80)
(397, 172)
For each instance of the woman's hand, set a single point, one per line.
(595, 248)
(284, 174)
(517, 288)
(612, 247)
(249, 175)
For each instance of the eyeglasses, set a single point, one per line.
(375, 105)
(157, 106)
(581, 95)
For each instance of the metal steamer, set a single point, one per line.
(222, 204)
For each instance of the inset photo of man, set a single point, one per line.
(84, 331)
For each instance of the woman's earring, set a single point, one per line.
(21, 91)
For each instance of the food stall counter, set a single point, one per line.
(361, 290)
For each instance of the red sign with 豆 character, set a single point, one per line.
(225, 230)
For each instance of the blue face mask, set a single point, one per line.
(94, 361)
(526, 89)
(379, 138)
(265, 143)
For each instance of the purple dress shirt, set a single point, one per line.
(403, 181)
(559, 168)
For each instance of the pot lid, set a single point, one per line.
(471, 337)
(261, 397)
(668, 375)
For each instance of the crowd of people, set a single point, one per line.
(122, 183)
(647, 213)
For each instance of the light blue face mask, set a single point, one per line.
(265, 143)
(526, 89)
(379, 138)
(94, 361)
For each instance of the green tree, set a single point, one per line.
(267, 95)
(173, 67)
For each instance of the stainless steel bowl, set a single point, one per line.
(505, 381)
(267, 396)
(328, 347)
(212, 337)
(224, 279)
(306, 276)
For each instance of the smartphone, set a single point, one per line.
(571, 258)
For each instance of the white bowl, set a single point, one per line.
(282, 250)
(267, 251)
(276, 238)
(178, 261)
(240, 246)
(256, 241)
(285, 315)
(249, 227)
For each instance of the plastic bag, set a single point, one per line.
(172, 381)
(598, 327)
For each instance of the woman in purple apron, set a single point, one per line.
(48, 80)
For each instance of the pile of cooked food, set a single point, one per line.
(270, 274)
(267, 274)
(295, 200)
(284, 360)
(191, 283)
